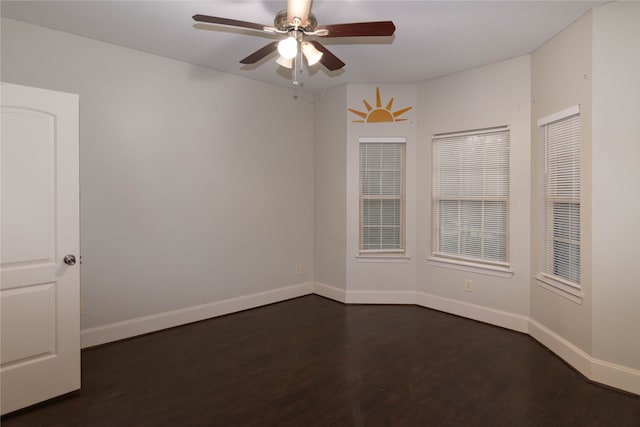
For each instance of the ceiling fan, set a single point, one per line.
(300, 28)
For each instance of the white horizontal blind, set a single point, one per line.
(470, 195)
(559, 199)
(382, 170)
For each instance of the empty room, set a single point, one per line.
(320, 213)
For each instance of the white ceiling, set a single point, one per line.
(433, 38)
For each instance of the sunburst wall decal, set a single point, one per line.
(379, 114)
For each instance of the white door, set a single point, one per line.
(39, 292)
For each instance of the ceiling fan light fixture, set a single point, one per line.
(285, 62)
(312, 54)
(288, 48)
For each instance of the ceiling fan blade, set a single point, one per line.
(260, 53)
(328, 59)
(299, 9)
(229, 22)
(359, 29)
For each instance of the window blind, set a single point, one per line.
(559, 197)
(470, 195)
(382, 170)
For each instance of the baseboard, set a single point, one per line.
(364, 297)
(330, 292)
(488, 315)
(156, 322)
(615, 375)
(381, 297)
(567, 351)
(600, 371)
(476, 312)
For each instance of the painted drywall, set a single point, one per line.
(380, 275)
(197, 186)
(561, 78)
(330, 172)
(494, 95)
(616, 175)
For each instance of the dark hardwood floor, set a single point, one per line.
(314, 362)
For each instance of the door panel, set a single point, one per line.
(39, 293)
(28, 323)
(28, 215)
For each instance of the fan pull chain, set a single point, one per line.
(297, 60)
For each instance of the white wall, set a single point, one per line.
(197, 186)
(489, 96)
(330, 175)
(380, 275)
(561, 78)
(616, 179)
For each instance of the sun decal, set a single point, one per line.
(379, 114)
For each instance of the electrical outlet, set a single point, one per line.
(468, 285)
(298, 269)
(82, 307)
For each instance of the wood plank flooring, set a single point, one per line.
(315, 362)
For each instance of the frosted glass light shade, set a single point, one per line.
(312, 54)
(288, 48)
(285, 62)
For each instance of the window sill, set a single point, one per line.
(473, 267)
(559, 288)
(383, 258)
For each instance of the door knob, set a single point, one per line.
(69, 259)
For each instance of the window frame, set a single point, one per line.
(547, 231)
(458, 260)
(383, 253)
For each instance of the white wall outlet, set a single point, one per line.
(468, 285)
(298, 269)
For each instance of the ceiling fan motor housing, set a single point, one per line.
(282, 24)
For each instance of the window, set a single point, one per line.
(559, 197)
(382, 170)
(470, 196)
